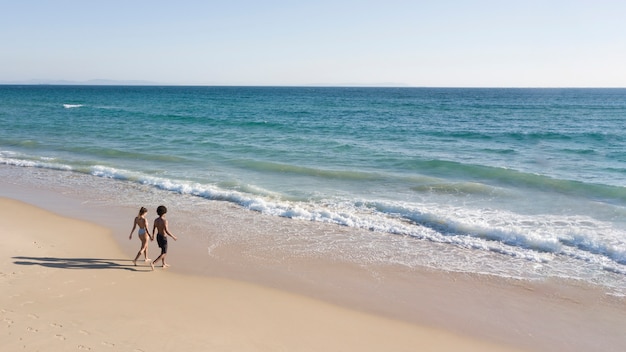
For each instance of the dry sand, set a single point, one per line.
(66, 285)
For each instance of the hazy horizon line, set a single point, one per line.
(111, 82)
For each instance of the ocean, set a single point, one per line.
(517, 183)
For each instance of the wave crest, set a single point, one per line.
(72, 106)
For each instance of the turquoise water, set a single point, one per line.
(531, 175)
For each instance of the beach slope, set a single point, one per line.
(66, 285)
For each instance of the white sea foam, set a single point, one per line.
(466, 239)
(547, 241)
(534, 238)
(15, 159)
(72, 106)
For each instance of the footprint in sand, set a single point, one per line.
(56, 325)
(84, 348)
(84, 332)
(8, 275)
(31, 329)
(8, 321)
(60, 337)
(108, 344)
(33, 316)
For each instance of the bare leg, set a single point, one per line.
(135, 260)
(160, 257)
(144, 249)
(165, 265)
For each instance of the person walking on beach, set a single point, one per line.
(160, 225)
(140, 220)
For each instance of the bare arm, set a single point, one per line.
(167, 230)
(133, 230)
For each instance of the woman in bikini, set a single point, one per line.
(140, 220)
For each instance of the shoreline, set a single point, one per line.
(537, 316)
(83, 294)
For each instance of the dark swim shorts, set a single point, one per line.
(162, 241)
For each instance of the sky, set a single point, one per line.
(442, 43)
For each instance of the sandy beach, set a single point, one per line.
(68, 282)
(67, 285)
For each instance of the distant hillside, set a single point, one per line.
(91, 82)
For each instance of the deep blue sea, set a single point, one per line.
(515, 182)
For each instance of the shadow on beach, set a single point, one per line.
(76, 263)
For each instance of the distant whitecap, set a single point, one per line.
(71, 106)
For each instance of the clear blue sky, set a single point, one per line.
(525, 43)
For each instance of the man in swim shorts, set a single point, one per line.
(161, 229)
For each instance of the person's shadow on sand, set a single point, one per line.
(76, 263)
